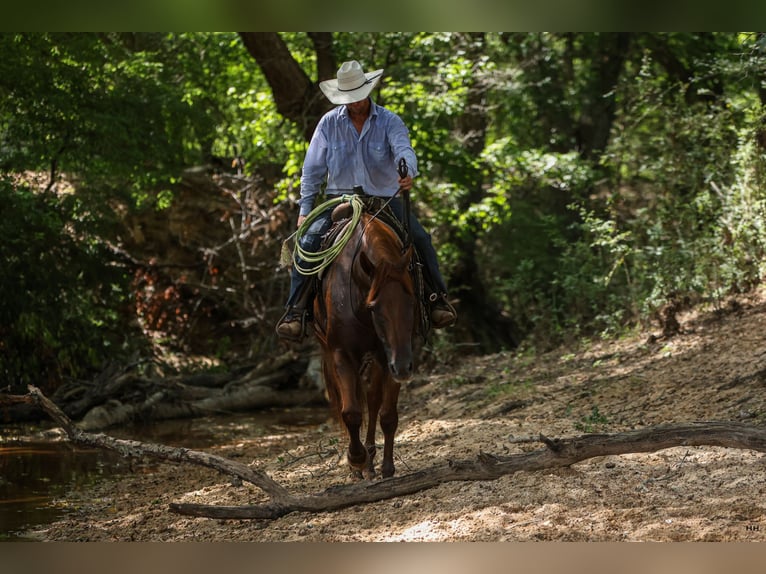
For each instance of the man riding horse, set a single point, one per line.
(356, 148)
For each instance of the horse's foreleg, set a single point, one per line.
(389, 421)
(350, 409)
(374, 374)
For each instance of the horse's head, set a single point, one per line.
(391, 302)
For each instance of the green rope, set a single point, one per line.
(326, 256)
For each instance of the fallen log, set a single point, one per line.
(121, 394)
(176, 401)
(555, 454)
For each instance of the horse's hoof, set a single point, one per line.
(359, 468)
(368, 473)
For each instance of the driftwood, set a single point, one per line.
(556, 453)
(123, 394)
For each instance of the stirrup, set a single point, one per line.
(439, 303)
(291, 318)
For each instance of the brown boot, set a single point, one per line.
(290, 326)
(442, 313)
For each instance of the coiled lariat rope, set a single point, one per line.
(325, 256)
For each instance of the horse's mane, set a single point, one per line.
(385, 252)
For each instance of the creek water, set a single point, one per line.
(38, 466)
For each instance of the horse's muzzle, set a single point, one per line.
(401, 370)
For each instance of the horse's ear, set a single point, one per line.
(367, 265)
(407, 257)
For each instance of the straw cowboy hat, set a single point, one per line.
(351, 85)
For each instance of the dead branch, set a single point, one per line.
(557, 453)
(137, 449)
(6, 400)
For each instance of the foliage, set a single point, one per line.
(62, 298)
(595, 420)
(670, 211)
(80, 106)
(688, 195)
(117, 116)
(592, 177)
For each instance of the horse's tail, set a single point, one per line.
(333, 393)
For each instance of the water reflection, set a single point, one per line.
(35, 473)
(37, 467)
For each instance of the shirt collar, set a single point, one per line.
(343, 111)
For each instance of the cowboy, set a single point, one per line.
(356, 148)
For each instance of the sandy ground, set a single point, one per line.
(714, 370)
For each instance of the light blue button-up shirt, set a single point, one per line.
(344, 158)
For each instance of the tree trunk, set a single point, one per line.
(327, 65)
(297, 97)
(598, 114)
(482, 316)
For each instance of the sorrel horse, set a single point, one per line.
(364, 318)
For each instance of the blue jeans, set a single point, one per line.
(312, 240)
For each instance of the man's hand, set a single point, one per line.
(301, 219)
(405, 183)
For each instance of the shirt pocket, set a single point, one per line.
(378, 150)
(337, 158)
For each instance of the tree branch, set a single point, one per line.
(557, 453)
